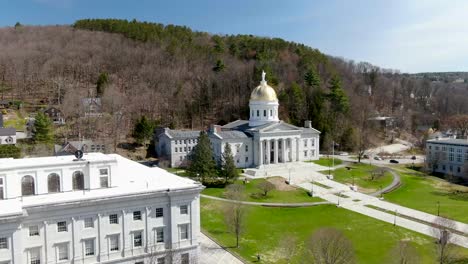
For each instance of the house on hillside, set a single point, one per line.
(87, 146)
(92, 106)
(7, 134)
(55, 115)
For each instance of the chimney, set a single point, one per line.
(215, 129)
(307, 124)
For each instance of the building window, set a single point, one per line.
(160, 235)
(62, 226)
(78, 180)
(451, 149)
(53, 183)
(264, 112)
(62, 251)
(3, 243)
(305, 153)
(246, 159)
(137, 216)
(451, 156)
(27, 185)
(183, 209)
(114, 242)
(184, 258)
(185, 149)
(246, 148)
(137, 240)
(35, 256)
(175, 150)
(271, 112)
(459, 157)
(1, 189)
(113, 219)
(443, 167)
(89, 247)
(258, 112)
(458, 169)
(161, 261)
(140, 262)
(181, 158)
(184, 232)
(159, 212)
(305, 142)
(312, 142)
(89, 222)
(33, 230)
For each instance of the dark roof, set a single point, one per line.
(450, 141)
(241, 125)
(182, 134)
(233, 134)
(7, 131)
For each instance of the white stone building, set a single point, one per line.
(99, 209)
(448, 156)
(259, 141)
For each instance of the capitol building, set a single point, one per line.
(260, 141)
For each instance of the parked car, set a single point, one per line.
(413, 158)
(377, 158)
(394, 161)
(344, 154)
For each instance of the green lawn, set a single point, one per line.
(266, 227)
(177, 171)
(19, 123)
(422, 192)
(253, 194)
(327, 162)
(361, 173)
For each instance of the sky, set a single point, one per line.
(407, 35)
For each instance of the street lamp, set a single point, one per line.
(339, 195)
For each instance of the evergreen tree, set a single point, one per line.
(202, 163)
(228, 167)
(101, 83)
(143, 131)
(9, 151)
(219, 66)
(312, 79)
(43, 129)
(296, 104)
(338, 99)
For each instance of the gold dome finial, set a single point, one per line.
(263, 92)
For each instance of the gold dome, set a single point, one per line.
(263, 92)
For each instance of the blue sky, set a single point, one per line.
(412, 36)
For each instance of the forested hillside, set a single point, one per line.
(187, 79)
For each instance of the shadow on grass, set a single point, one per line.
(258, 196)
(455, 195)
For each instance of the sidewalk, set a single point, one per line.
(212, 253)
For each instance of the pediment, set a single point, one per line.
(281, 127)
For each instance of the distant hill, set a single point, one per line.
(188, 79)
(445, 77)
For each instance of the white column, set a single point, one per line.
(260, 152)
(268, 151)
(297, 149)
(276, 151)
(283, 150)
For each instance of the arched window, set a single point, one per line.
(78, 180)
(27, 185)
(53, 182)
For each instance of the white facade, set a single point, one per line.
(448, 156)
(104, 208)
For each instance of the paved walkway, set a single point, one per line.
(266, 204)
(395, 183)
(212, 253)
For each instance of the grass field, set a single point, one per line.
(16, 120)
(327, 162)
(373, 240)
(295, 195)
(422, 192)
(361, 173)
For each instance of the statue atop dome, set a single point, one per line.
(263, 76)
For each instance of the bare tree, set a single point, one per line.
(288, 247)
(404, 253)
(234, 213)
(442, 231)
(330, 246)
(265, 186)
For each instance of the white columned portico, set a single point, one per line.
(260, 152)
(268, 151)
(276, 151)
(283, 150)
(297, 149)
